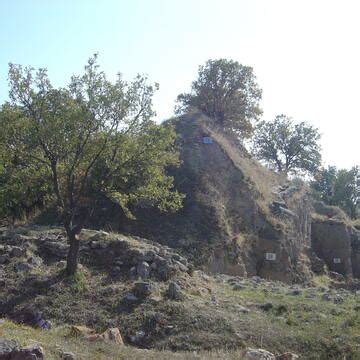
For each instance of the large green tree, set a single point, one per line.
(286, 146)
(93, 138)
(227, 92)
(338, 187)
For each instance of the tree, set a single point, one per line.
(324, 183)
(288, 147)
(93, 138)
(227, 92)
(338, 187)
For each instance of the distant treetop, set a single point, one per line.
(228, 93)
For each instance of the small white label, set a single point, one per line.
(337, 261)
(270, 256)
(207, 140)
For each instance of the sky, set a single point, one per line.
(305, 53)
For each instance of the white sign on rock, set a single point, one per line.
(270, 256)
(337, 261)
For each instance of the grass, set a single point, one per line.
(58, 340)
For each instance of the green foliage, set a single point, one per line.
(227, 92)
(288, 147)
(338, 187)
(92, 138)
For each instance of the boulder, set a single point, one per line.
(111, 335)
(258, 354)
(143, 270)
(7, 347)
(142, 289)
(4, 259)
(66, 355)
(10, 350)
(287, 356)
(17, 251)
(32, 352)
(23, 266)
(82, 331)
(174, 291)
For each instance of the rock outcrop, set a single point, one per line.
(338, 244)
(238, 217)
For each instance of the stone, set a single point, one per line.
(266, 307)
(287, 356)
(143, 270)
(174, 291)
(7, 346)
(242, 309)
(295, 292)
(17, 251)
(130, 298)
(139, 335)
(338, 299)
(258, 354)
(238, 287)
(142, 289)
(31, 352)
(111, 335)
(326, 297)
(35, 260)
(80, 330)
(4, 259)
(66, 355)
(23, 266)
(133, 273)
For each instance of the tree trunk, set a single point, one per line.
(72, 257)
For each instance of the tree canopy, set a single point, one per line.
(286, 146)
(339, 187)
(227, 92)
(92, 138)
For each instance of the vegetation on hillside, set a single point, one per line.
(288, 147)
(73, 145)
(339, 187)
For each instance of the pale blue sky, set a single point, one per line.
(305, 53)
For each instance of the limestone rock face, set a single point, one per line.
(338, 244)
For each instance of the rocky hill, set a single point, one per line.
(250, 262)
(238, 218)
